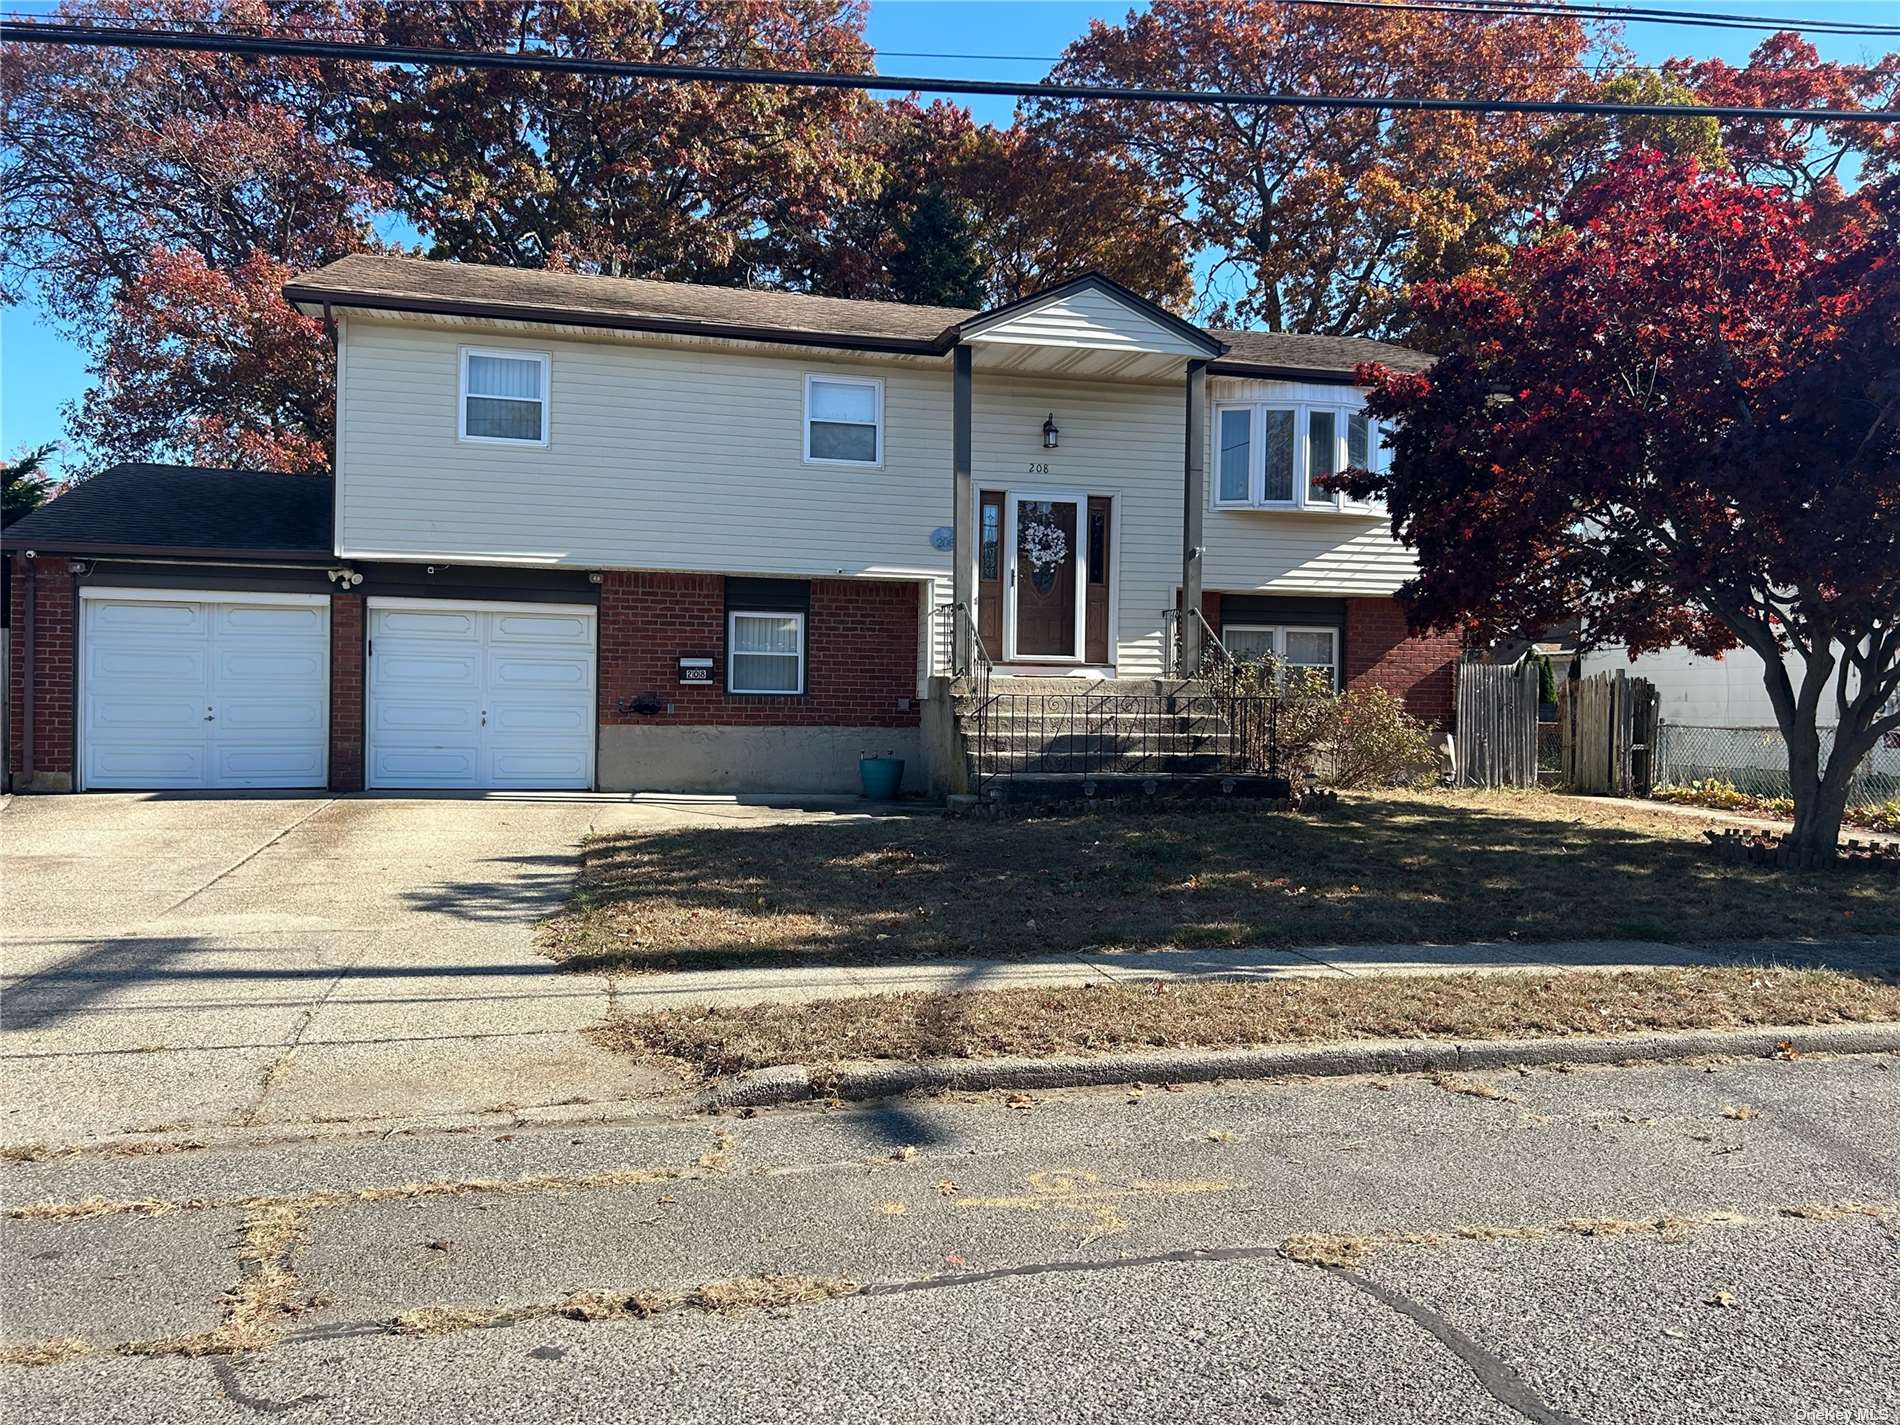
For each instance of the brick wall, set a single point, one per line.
(54, 631)
(862, 653)
(346, 692)
(1379, 653)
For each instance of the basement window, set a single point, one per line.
(765, 652)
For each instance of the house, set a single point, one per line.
(593, 532)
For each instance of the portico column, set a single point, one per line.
(1192, 504)
(963, 568)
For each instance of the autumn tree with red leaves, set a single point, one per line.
(156, 202)
(1676, 412)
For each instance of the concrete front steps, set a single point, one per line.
(1072, 738)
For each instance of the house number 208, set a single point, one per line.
(1038, 467)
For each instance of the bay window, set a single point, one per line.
(1273, 455)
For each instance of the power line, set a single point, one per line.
(1629, 14)
(824, 79)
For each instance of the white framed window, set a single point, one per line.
(844, 420)
(1271, 455)
(1295, 645)
(765, 651)
(504, 397)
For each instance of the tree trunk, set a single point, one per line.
(1818, 807)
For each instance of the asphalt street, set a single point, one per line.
(1671, 1244)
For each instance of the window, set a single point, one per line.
(844, 420)
(1296, 647)
(989, 558)
(765, 652)
(1236, 454)
(1273, 456)
(504, 397)
(1322, 454)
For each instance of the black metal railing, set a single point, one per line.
(1119, 734)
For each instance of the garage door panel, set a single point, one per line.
(106, 618)
(267, 764)
(571, 717)
(270, 667)
(409, 718)
(177, 666)
(509, 671)
(429, 623)
(537, 767)
(530, 671)
(545, 630)
(276, 621)
(147, 764)
(127, 716)
(431, 671)
(204, 693)
(427, 766)
(243, 717)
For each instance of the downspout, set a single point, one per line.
(31, 601)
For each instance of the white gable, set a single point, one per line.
(1089, 319)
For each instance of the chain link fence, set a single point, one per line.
(1755, 761)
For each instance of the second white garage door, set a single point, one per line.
(480, 694)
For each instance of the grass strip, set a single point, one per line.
(1205, 1014)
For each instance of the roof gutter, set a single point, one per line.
(325, 299)
(1281, 373)
(162, 553)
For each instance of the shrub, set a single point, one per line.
(1362, 737)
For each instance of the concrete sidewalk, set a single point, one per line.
(798, 984)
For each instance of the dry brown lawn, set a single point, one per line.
(1398, 867)
(1229, 1014)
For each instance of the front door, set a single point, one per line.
(1045, 590)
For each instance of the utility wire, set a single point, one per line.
(1628, 14)
(824, 79)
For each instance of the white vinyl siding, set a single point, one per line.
(504, 397)
(669, 458)
(1280, 547)
(765, 652)
(1090, 320)
(844, 421)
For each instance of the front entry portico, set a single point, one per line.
(1035, 574)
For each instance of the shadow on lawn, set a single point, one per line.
(1389, 870)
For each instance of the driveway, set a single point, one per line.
(182, 962)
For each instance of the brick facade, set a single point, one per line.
(346, 692)
(52, 621)
(1380, 653)
(862, 652)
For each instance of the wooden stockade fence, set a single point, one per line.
(1608, 726)
(1495, 741)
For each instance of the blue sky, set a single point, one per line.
(41, 370)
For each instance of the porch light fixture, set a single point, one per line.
(1049, 432)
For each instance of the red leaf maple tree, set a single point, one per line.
(1677, 413)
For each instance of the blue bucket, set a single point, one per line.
(881, 776)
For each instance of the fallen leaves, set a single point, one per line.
(1738, 1110)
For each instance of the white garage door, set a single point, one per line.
(203, 689)
(480, 694)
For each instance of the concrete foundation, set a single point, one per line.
(656, 757)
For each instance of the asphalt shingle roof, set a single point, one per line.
(185, 508)
(421, 284)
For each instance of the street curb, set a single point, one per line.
(794, 1083)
